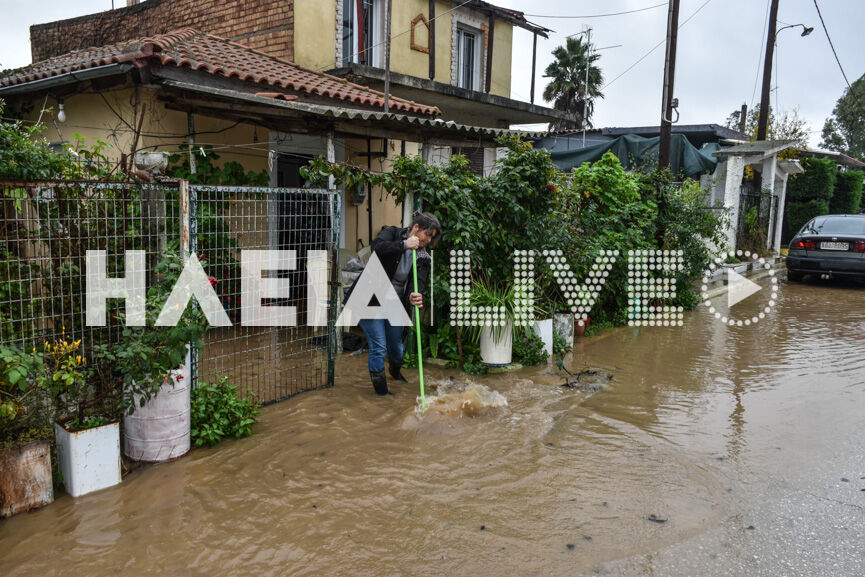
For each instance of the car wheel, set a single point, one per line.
(794, 276)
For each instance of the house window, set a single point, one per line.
(361, 31)
(468, 58)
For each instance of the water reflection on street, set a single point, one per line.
(505, 474)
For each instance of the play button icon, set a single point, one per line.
(739, 288)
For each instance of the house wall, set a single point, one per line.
(315, 33)
(318, 31)
(89, 116)
(385, 210)
(265, 25)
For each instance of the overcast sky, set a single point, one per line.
(719, 52)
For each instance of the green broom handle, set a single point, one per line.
(417, 331)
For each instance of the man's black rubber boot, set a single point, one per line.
(395, 372)
(379, 383)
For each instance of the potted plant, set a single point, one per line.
(88, 437)
(543, 327)
(155, 364)
(496, 337)
(25, 430)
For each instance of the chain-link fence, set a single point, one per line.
(48, 227)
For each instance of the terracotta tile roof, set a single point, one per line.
(196, 50)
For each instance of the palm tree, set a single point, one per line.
(567, 89)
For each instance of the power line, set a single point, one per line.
(829, 38)
(760, 55)
(597, 15)
(655, 47)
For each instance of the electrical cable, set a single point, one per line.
(829, 38)
(655, 47)
(597, 15)
(760, 55)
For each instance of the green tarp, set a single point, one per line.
(637, 153)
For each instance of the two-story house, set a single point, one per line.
(273, 83)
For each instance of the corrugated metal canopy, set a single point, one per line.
(294, 116)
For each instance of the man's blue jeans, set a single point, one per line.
(382, 337)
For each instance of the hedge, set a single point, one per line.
(798, 213)
(848, 192)
(816, 183)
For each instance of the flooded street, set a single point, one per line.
(711, 450)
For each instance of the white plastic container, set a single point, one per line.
(544, 330)
(497, 353)
(89, 459)
(159, 431)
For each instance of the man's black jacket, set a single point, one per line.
(389, 247)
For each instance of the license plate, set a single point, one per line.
(834, 246)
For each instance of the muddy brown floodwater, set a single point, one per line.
(503, 475)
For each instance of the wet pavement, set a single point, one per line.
(712, 450)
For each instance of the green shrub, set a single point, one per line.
(528, 348)
(816, 183)
(847, 197)
(218, 412)
(560, 345)
(798, 213)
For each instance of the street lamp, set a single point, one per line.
(806, 30)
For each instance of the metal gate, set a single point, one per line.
(48, 226)
(272, 362)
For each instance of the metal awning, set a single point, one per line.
(303, 117)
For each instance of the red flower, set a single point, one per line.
(551, 187)
(202, 256)
(212, 280)
(178, 378)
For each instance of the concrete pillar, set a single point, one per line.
(732, 193)
(770, 170)
(782, 197)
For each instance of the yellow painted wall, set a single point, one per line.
(412, 62)
(90, 116)
(502, 53)
(385, 210)
(315, 33)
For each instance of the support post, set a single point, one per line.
(732, 196)
(190, 129)
(432, 39)
(333, 339)
(534, 63)
(779, 214)
(743, 118)
(387, 57)
(769, 169)
(490, 35)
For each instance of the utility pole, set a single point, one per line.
(763, 120)
(669, 76)
(586, 85)
(387, 58)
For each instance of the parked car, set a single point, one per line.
(831, 245)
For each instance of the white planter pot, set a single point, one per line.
(89, 459)
(159, 431)
(497, 353)
(544, 330)
(563, 325)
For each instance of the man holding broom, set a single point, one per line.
(394, 247)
